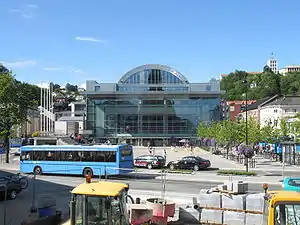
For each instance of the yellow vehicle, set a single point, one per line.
(100, 203)
(282, 207)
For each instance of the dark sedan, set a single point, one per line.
(190, 163)
(9, 186)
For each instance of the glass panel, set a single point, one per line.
(79, 209)
(287, 214)
(153, 116)
(97, 211)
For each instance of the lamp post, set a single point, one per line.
(246, 121)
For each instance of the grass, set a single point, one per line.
(236, 173)
(176, 171)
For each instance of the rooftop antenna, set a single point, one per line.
(272, 55)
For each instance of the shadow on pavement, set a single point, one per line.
(17, 210)
(132, 175)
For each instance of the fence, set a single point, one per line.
(241, 159)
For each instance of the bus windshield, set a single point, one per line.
(287, 214)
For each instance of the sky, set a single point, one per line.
(74, 41)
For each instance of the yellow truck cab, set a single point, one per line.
(282, 207)
(99, 203)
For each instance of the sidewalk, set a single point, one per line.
(265, 165)
(214, 178)
(9, 166)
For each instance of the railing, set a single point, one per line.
(241, 159)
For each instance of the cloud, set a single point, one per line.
(91, 39)
(43, 85)
(26, 12)
(83, 86)
(76, 71)
(18, 64)
(51, 69)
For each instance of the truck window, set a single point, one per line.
(287, 214)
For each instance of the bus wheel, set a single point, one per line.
(37, 170)
(87, 171)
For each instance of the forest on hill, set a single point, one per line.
(262, 85)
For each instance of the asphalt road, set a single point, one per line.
(59, 187)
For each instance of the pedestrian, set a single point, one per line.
(165, 154)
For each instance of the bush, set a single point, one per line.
(236, 173)
(177, 171)
(35, 134)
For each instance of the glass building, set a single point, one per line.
(151, 103)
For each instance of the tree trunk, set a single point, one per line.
(6, 146)
(227, 152)
(247, 163)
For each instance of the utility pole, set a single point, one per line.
(246, 121)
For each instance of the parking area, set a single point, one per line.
(178, 153)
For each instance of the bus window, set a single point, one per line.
(111, 156)
(39, 155)
(27, 156)
(126, 152)
(100, 156)
(50, 156)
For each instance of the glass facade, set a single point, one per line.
(150, 117)
(173, 113)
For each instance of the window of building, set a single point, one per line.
(275, 110)
(231, 108)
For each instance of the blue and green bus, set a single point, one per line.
(98, 160)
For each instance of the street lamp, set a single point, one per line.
(246, 120)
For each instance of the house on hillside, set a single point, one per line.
(278, 108)
(234, 108)
(254, 109)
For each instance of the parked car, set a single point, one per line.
(12, 186)
(291, 184)
(189, 162)
(150, 161)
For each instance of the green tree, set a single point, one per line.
(16, 98)
(254, 132)
(284, 129)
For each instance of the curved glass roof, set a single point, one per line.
(153, 74)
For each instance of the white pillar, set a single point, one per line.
(49, 128)
(50, 108)
(44, 108)
(41, 112)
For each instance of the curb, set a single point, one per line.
(219, 181)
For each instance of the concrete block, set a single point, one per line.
(229, 185)
(255, 202)
(254, 219)
(211, 216)
(239, 187)
(234, 218)
(210, 200)
(222, 187)
(234, 201)
(189, 215)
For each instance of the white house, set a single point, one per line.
(272, 112)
